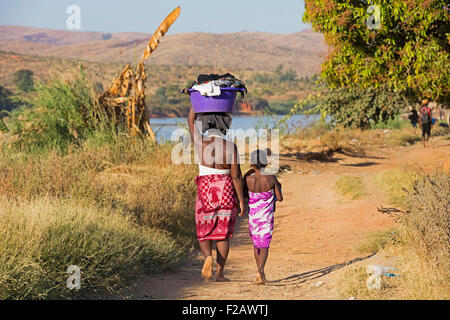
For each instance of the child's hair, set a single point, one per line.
(258, 158)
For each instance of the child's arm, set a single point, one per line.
(249, 172)
(244, 180)
(244, 183)
(278, 192)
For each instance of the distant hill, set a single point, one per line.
(302, 51)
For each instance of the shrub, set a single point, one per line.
(59, 114)
(23, 79)
(428, 222)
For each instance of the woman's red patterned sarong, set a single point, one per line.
(215, 207)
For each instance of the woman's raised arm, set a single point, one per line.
(191, 123)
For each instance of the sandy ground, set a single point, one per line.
(315, 232)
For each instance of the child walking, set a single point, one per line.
(263, 190)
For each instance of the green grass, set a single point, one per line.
(57, 115)
(351, 187)
(379, 240)
(392, 124)
(396, 184)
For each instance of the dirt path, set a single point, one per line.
(315, 232)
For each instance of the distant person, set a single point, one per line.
(414, 118)
(263, 190)
(426, 122)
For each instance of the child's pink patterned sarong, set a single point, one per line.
(260, 217)
(215, 207)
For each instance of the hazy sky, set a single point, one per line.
(277, 16)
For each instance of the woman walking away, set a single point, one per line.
(263, 190)
(218, 183)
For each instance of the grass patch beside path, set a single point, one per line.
(396, 184)
(351, 187)
(379, 240)
(353, 283)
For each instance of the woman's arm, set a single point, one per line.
(191, 123)
(236, 175)
(278, 192)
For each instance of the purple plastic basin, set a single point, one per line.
(222, 103)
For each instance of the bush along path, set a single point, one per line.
(316, 235)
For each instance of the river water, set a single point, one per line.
(164, 127)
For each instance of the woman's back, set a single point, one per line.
(216, 152)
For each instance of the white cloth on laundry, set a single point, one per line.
(210, 89)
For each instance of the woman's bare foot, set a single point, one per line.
(222, 279)
(207, 268)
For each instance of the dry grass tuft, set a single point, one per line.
(420, 244)
(40, 238)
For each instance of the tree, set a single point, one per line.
(106, 36)
(5, 100)
(161, 95)
(289, 75)
(359, 107)
(278, 69)
(23, 79)
(407, 54)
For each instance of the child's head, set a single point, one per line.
(258, 158)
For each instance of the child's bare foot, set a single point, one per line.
(260, 280)
(207, 268)
(263, 276)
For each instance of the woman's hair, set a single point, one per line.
(258, 158)
(214, 120)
